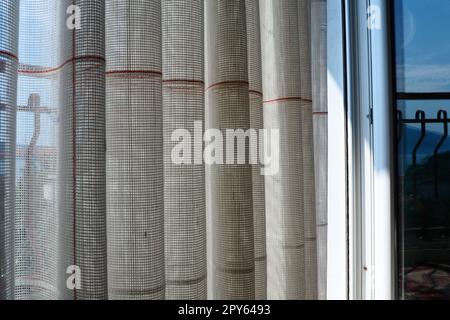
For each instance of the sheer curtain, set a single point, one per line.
(291, 252)
(95, 98)
(320, 133)
(60, 201)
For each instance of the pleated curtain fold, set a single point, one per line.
(257, 123)
(9, 17)
(320, 134)
(184, 185)
(98, 98)
(134, 157)
(290, 224)
(60, 201)
(229, 197)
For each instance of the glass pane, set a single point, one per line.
(423, 53)
(424, 198)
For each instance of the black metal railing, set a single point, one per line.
(423, 122)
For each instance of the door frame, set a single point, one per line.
(361, 238)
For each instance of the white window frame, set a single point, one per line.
(361, 246)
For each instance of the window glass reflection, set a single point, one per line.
(423, 53)
(424, 186)
(423, 123)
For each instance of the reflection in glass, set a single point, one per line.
(424, 187)
(423, 53)
(423, 72)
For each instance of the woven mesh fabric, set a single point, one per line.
(230, 206)
(87, 204)
(287, 107)
(320, 120)
(86, 170)
(9, 13)
(257, 123)
(37, 218)
(184, 185)
(306, 126)
(135, 203)
(60, 198)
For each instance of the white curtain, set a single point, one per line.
(320, 133)
(184, 186)
(92, 94)
(290, 228)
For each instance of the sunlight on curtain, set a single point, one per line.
(60, 182)
(89, 189)
(290, 225)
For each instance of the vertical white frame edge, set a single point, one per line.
(370, 138)
(337, 256)
(384, 246)
(361, 246)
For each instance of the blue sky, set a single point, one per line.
(423, 48)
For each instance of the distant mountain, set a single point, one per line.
(411, 136)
